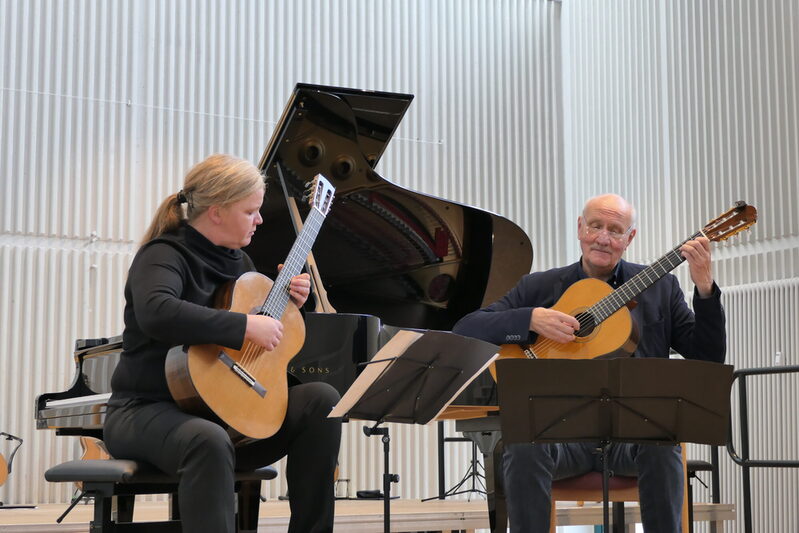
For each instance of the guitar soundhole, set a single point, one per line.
(587, 324)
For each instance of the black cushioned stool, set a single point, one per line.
(114, 483)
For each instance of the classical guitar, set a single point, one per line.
(3, 470)
(92, 449)
(247, 388)
(606, 326)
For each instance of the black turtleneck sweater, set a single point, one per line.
(168, 301)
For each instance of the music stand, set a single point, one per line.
(411, 380)
(636, 400)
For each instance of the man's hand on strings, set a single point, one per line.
(553, 324)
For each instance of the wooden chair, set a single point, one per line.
(588, 487)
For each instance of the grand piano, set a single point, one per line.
(386, 258)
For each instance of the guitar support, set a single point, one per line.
(8, 436)
(388, 478)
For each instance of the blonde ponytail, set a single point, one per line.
(219, 179)
(167, 218)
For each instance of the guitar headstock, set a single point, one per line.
(320, 194)
(732, 221)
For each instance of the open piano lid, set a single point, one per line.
(411, 259)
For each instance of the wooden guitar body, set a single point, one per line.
(93, 449)
(3, 470)
(617, 335)
(200, 381)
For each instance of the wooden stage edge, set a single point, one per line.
(359, 516)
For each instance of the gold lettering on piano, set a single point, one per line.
(309, 370)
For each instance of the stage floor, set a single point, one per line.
(351, 515)
(358, 516)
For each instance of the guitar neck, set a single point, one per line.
(638, 283)
(278, 297)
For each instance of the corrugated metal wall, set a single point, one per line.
(525, 108)
(772, 400)
(685, 107)
(105, 105)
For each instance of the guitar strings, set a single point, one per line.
(251, 354)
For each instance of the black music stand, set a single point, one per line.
(640, 400)
(411, 380)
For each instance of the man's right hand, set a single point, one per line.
(553, 325)
(264, 331)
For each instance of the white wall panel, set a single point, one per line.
(54, 292)
(757, 315)
(105, 105)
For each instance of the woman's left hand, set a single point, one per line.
(299, 287)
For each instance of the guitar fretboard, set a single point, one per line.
(278, 297)
(638, 283)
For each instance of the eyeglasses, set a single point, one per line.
(594, 231)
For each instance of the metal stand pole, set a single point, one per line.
(388, 478)
(605, 483)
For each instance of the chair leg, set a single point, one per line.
(249, 499)
(618, 517)
(690, 508)
(102, 513)
(553, 516)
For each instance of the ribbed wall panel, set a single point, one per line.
(757, 315)
(53, 294)
(105, 105)
(683, 108)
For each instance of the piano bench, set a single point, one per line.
(114, 484)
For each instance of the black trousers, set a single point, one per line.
(201, 454)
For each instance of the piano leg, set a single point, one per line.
(497, 509)
(174, 507)
(124, 507)
(490, 445)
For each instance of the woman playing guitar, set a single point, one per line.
(192, 250)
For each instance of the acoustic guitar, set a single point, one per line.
(606, 326)
(92, 449)
(248, 388)
(3, 470)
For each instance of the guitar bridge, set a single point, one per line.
(242, 373)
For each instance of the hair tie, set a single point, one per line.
(181, 197)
